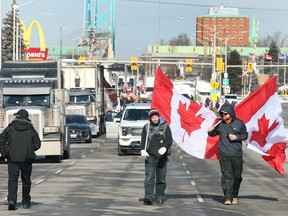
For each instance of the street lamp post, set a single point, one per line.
(226, 56)
(214, 74)
(15, 7)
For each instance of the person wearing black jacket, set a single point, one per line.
(232, 132)
(156, 140)
(18, 143)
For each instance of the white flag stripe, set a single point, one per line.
(195, 144)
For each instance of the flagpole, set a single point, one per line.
(285, 71)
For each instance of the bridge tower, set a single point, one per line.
(100, 28)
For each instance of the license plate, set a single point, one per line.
(73, 135)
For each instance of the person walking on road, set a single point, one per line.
(18, 143)
(156, 141)
(232, 132)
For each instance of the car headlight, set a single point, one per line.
(125, 131)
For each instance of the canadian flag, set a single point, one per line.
(112, 93)
(261, 112)
(189, 121)
(268, 57)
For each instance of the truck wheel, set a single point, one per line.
(120, 151)
(89, 141)
(54, 158)
(66, 154)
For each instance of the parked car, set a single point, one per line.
(231, 99)
(134, 117)
(79, 128)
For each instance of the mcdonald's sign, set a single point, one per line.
(31, 52)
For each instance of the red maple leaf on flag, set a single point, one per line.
(189, 120)
(264, 129)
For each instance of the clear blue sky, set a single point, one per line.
(140, 23)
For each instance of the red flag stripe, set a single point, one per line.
(164, 85)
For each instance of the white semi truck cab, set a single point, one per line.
(33, 86)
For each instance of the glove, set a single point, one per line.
(144, 153)
(162, 150)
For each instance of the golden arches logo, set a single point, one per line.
(34, 53)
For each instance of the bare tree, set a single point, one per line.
(181, 40)
(277, 37)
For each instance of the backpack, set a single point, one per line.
(162, 131)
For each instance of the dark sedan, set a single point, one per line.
(79, 128)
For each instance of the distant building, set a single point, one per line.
(228, 25)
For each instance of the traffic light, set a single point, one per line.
(188, 67)
(250, 67)
(134, 65)
(219, 63)
(222, 67)
(82, 58)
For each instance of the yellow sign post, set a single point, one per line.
(214, 85)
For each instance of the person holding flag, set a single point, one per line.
(156, 140)
(232, 132)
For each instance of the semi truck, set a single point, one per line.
(36, 87)
(84, 95)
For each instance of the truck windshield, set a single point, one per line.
(79, 99)
(136, 114)
(26, 100)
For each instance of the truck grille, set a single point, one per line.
(75, 111)
(136, 131)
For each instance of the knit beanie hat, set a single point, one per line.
(153, 112)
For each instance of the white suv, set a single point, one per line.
(134, 117)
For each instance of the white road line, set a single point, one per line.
(92, 150)
(83, 156)
(38, 182)
(184, 164)
(193, 183)
(72, 163)
(58, 171)
(188, 172)
(181, 157)
(200, 198)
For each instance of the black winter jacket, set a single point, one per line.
(157, 140)
(19, 141)
(237, 127)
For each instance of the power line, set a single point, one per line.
(205, 5)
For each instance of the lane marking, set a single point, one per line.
(72, 163)
(200, 198)
(188, 172)
(193, 183)
(38, 182)
(184, 164)
(92, 150)
(181, 157)
(58, 171)
(83, 156)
